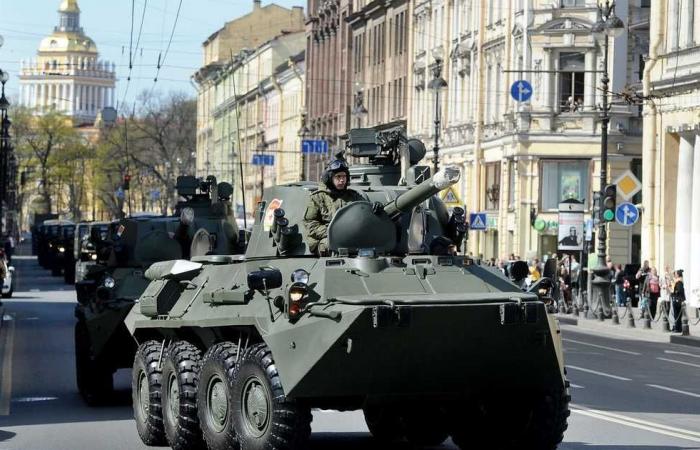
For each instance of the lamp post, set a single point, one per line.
(608, 25)
(437, 85)
(358, 110)
(262, 146)
(4, 144)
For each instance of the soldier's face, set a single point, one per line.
(340, 181)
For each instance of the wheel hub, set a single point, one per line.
(143, 394)
(217, 399)
(256, 407)
(173, 398)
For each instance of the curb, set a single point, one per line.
(692, 341)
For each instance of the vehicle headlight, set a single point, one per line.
(109, 282)
(62, 249)
(300, 276)
(93, 257)
(296, 294)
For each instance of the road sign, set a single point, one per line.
(521, 91)
(450, 197)
(626, 214)
(314, 146)
(263, 160)
(477, 221)
(628, 185)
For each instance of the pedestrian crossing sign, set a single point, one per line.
(477, 221)
(450, 197)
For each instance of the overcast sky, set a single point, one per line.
(23, 24)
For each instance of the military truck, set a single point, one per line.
(58, 240)
(37, 230)
(235, 352)
(202, 223)
(88, 235)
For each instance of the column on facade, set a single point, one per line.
(684, 202)
(686, 26)
(694, 273)
(672, 18)
(547, 85)
(37, 99)
(71, 98)
(590, 81)
(63, 97)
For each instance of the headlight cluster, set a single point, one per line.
(62, 249)
(109, 283)
(297, 293)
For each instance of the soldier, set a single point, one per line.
(333, 193)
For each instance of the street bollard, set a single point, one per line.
(664, 318)
(574, 308)
(630, 315)
(647, 318)
(685, 328)
(615, 316)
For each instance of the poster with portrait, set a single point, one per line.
(571, 221)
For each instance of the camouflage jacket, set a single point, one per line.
(322, 206)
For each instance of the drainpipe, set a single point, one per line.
(479, 127)
(649, 152)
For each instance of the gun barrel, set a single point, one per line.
(418, 194)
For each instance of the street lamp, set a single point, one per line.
(303, 134)
(437, 85)
(4, 143)
(358, 110)
(608, 25)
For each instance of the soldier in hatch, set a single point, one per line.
(333, 193)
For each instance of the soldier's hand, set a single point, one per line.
(377, 208)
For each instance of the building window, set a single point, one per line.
(563, 180)
(512, 180)
(492, 176)
(573, 3)
(572, 85)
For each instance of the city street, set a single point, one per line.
(626, 394)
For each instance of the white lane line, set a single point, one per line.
(603, 347)
(6, 387)
(691, 394)
(576, 386)
(671, 352)
(33, 399)
(639, 424)
(595, 372)
(679, 362)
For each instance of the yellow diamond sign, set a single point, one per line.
(628, 185)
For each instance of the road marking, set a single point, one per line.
(6, 386)
(595, 372)
(637, 423)
(34, 290)
(576, 386)
(603, 347)
(674, 390)
(679, 362)
(671, 352)
(33, 399)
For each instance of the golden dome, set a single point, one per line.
(67, 42)
(69, 6)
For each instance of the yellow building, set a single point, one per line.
(520, 159)
(671, 221)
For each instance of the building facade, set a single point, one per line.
(231, 43)
(671, 219)
(67, 74)
(521, 159)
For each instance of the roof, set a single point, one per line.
(69, 6)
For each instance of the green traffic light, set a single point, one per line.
(608, 215)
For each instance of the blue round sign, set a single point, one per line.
(521, 91)
(626, 214)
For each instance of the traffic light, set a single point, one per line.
(609, 202)
(127, 180)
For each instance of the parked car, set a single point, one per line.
(8, 285)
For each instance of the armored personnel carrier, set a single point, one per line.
(58, 235)
(203, 224)
(235, 352)
(88, 236)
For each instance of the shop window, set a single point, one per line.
(563, 180)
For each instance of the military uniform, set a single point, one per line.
(323, 205)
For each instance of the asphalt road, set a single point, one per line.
(626, 394)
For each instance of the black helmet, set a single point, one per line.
(333, 167)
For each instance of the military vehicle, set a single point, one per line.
(203, 223)
(36, 229)
(235, 352)
(58, 236)
(85, 246)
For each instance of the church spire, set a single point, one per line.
(69, 16)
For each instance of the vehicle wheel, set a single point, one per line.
(146, 393)
(214, 406)
(94, 380)
(549, 420)
(384, 424)
(426, 428)
(68, 277)
(263, 416)
(181, 366)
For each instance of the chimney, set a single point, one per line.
(256, 5)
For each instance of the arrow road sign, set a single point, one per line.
(626, 214)
(521, 91)
(477, 221)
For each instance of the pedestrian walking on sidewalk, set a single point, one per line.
(619, 281)
(651, 289)
(677, 300)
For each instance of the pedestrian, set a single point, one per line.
(575, 269)
(677, 300)
(9, 249)
(619, 280)
(651, 289)
(565, 284)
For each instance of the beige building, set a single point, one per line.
(221, 50)
(671, 220)
(256, 104)
(520, 160)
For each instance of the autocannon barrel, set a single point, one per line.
(414, 196)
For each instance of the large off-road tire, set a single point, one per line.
(93, 378)
(426, 427)
(539, 426)
(146, 392)
(181, 367)
(214, 402)
(384, 424)
(264, 418)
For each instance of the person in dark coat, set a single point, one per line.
(677, 300)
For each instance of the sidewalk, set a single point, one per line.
(655, 334)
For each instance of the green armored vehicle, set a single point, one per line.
(236, 352)
(203, 224)
(59, 243)
(88, 236)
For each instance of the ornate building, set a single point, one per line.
(67, 74)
